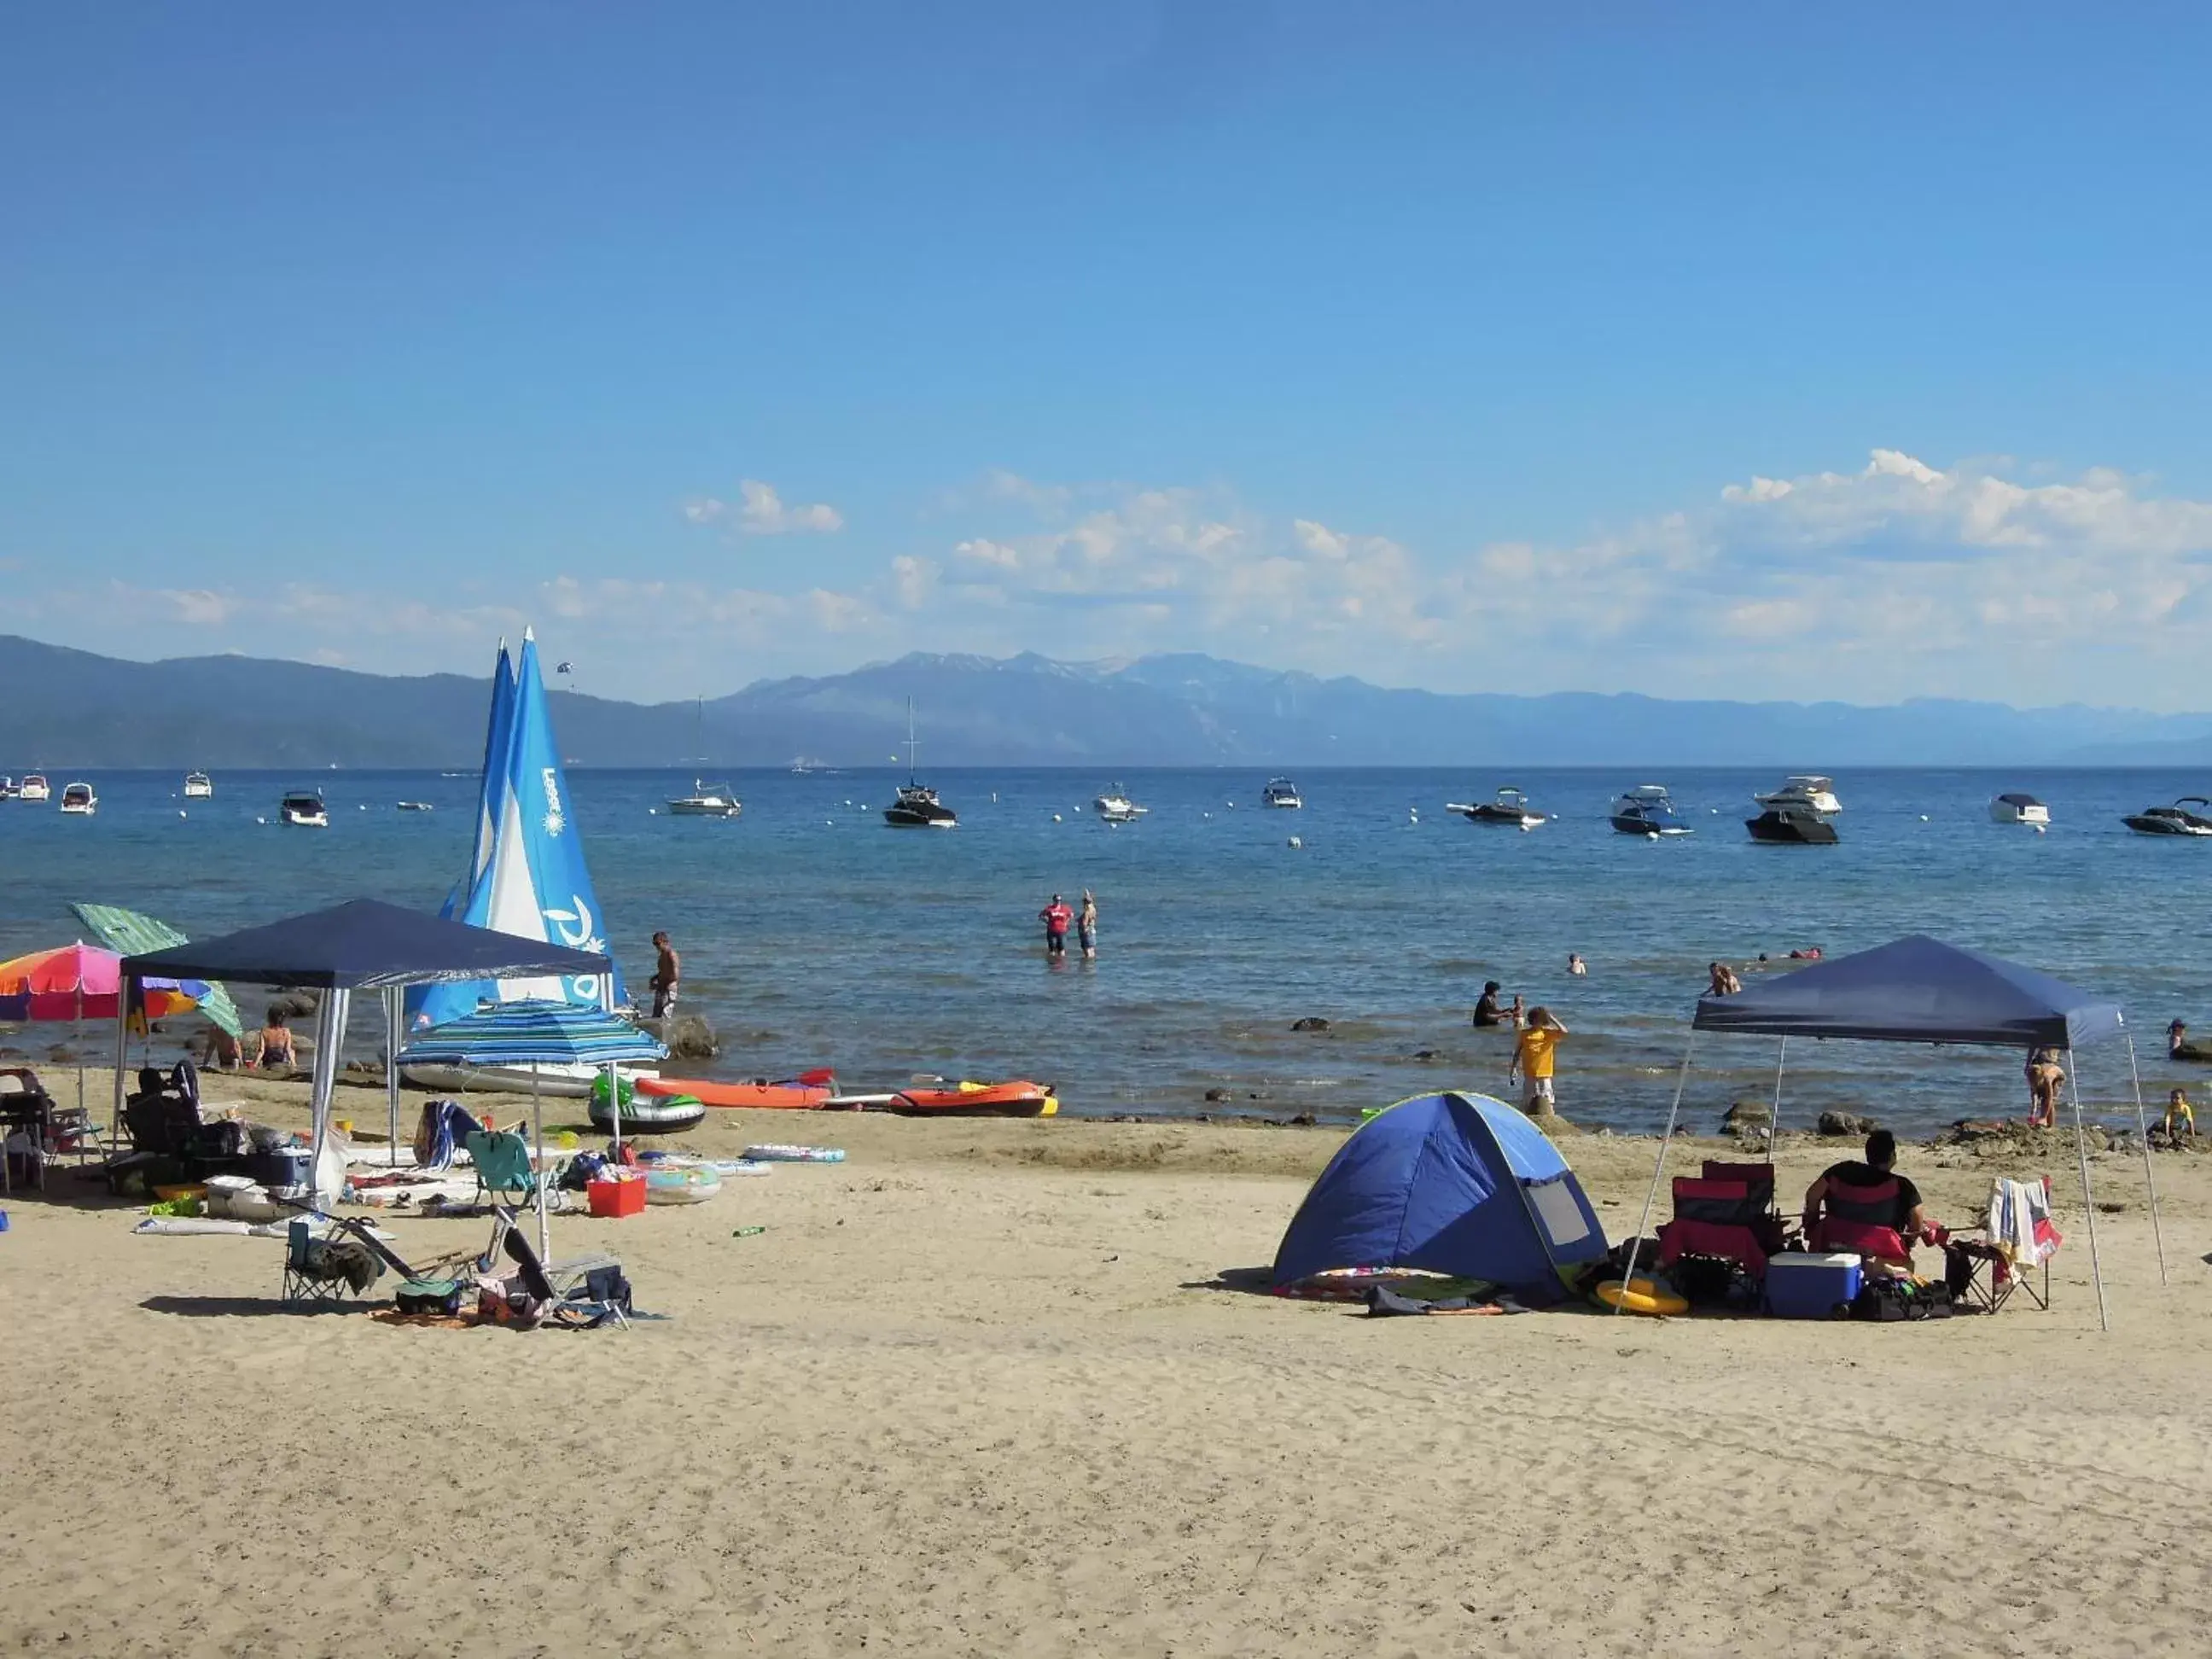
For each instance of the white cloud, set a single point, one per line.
(761, 512)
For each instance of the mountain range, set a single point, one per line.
(65, 709)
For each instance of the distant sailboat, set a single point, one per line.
(526, 876)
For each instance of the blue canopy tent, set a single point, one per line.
(362, 945)
(1919, 989)
(1455, 1183)
(530, 1034)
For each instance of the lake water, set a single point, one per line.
(812, 934)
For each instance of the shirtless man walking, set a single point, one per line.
(667, 974)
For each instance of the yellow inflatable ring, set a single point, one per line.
(1642, 1296)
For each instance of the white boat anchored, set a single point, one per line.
(2019, 809)
(1805, 792)
(707, 800)
(33, 787)
(199, 786)
(1281, 792)
(1116, 807)
(78, 798)
(303, 809)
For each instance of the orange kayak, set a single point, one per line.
(1021, 1098)
(774, 1096)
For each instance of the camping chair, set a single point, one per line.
(2018, 1238)
(578, 1295)
(1728, 1213)
(501, 1157)
(314, 1272)
(1858, 1221)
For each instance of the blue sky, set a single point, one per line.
(1481, 347)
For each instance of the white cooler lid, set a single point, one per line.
(1798, 1259)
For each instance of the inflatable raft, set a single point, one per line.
(649, 1115)
(682, 1183)
(777, 1151)
(796, 1095)
(1020, 1098)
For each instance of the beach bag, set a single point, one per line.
(429, 1296)
(608, 1286)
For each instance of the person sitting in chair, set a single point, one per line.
(1866, 1206)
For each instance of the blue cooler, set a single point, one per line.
(1810, 1286)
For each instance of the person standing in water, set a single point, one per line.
(1086, 925)
(667, 974)
(1055, 916)
(1533, 1053)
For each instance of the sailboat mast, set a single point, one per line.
(911, 748)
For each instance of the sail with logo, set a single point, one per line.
(526, 874)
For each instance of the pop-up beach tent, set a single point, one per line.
(1455, 1184)
(362, 945)
(1919, 989)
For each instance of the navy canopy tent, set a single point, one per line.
(361, 944)
(365, 943)
(1919, 989)
(1455, 1183)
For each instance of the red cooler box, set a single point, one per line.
(1801, 1286)
(618, 1198)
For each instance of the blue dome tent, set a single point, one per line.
(1455, 1184)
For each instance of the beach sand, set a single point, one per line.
(982, 1389)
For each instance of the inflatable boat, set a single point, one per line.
(1020, 1098)
(682, 1183)
(648, 1113)
(794, 1095)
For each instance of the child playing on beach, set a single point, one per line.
(2180, 1115)
(1533, 1053)
(2044, 1075)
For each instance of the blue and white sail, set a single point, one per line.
(494, 786)
(527, 875)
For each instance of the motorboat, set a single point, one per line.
(199, 786)
(917, 806)
(7, 788)
(707, 800)
(1508, 808)
(33, 787)
(78, 798)
(1281, 792)
(303, 809)
(415, 806)
(1116, 807)
(1648, 809)
(1792, 825)
(1807, 792)
(2019, 809)
(2190, 816)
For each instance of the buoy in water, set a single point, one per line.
(1056, 817)
(1295, 842)
(181, 812)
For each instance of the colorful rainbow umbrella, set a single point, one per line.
(82, 981)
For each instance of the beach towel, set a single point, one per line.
(2019, 1222)
(443, 1128)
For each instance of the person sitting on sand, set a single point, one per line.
(2180, 1115)
(1532, 1052)
(1486, 1011)
(2044, 1076)
(1721, 980)
(277, 1051)
(1833, 1194)
(219, 1049)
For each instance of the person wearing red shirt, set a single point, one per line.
(1056, 916)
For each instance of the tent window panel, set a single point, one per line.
(1554, 1204)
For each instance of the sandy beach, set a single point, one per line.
(995, 1388)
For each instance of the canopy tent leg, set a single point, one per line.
(2088, 1204)
(393, 1005)
(2150, 1181)
(115, 1126)
(330, 1036)
(1658, 1167)
(1774, 1113)
(614, 1076)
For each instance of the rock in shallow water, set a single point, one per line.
(1310, 1023)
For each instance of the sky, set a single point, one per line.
(1733, 350)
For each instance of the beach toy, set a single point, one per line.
(682, 1184)
(780, 1152)
(1642, 1296)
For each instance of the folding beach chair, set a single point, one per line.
(2013, 1253)
(580, 1295)
(1728, 1213)
(311, 1269)
(502, 1163)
